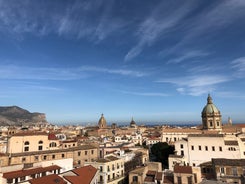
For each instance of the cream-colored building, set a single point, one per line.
(212, 142)
(30, 147)
(150, 173)
(111, 169)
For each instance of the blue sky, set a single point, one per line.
(153, 60)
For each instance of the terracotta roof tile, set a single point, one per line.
(235, 143)
(228, 162)
(84, 175)
(159, 176)
(28, 172)
(183, 169)
(50, 179)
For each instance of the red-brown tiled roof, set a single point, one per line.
(159, 176)
(52, 137)
(28, 172)
(84, 175)
(234, 143)
(149, 179)
(183, 169)
(50, 179)
(29, 133)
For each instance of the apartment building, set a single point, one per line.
(111, 169)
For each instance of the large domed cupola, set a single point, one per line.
(102, 122)
(133, 124)
(211, 117)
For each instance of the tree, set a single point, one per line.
(161, 151)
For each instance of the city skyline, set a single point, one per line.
(155, 61)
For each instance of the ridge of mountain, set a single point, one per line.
(16, 116)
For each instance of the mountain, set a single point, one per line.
(14, 115)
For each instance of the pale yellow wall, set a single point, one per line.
(16, 143)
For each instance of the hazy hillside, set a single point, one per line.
(14, 115)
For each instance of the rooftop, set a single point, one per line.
(183, 169)
(28, 172)
(50, 179)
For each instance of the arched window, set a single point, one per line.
(40, 145)
(26, 147)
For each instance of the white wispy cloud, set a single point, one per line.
(187, 56)
(114, 71)
(21, 72)
(80, 19)
(209, 22)
(159, 22)
(150, 94)
(196, 85)
(239, 65)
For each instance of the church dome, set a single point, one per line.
(132, 123)
(102, 122)
(210, 108)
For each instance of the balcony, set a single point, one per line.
(116, 178)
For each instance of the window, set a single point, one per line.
(44, 157)
(92, 152)
(101, 178)
(189, 180)
(182, 146)
(10, 180)
(101, 169)
(53, 156)
(26, 147)
(192, 147)
(40, 146)
(108, 168)
(23, 178)
(36, 158)
(206, 148)
(109, 178)
(23, 159)
(211, 123)
(179, 180)
(220, 148)
(86, 152)
(234, 171)
(217, 123)
(222, 170)
(73, 144)
(182, 152)
(175, 139)
(62, 155)
(200, 147)
(79, 153)
(194, 165)
(52, 144)
(135, 178)
(204, 170)
(213, 148)
(79, 162)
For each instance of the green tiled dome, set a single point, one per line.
(210, 108)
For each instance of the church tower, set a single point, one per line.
(102, 122)
(211, 117)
